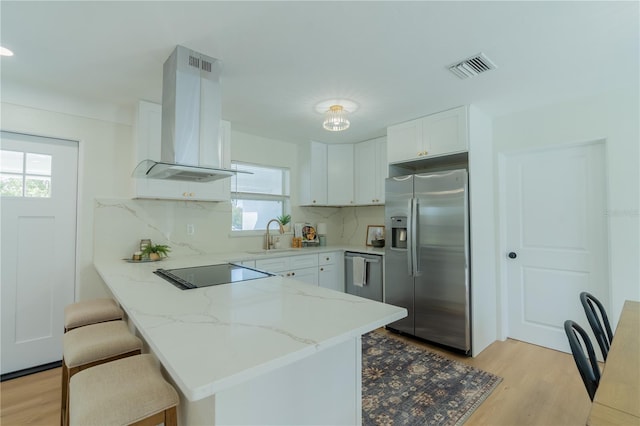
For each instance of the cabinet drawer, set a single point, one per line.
(306, 275)
(329, 258)
(249, 262)
(277, 264)
(305, 261)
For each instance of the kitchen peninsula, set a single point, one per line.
(265, 351)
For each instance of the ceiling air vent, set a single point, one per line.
(194, 62)
(472, 66)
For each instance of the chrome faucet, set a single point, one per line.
(267, 239)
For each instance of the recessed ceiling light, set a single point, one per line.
(5, 52)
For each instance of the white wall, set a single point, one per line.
(614, 118)
(105, 153)
(484, 289)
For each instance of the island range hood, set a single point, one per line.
(191, 111)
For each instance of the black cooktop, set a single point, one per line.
(209, 275)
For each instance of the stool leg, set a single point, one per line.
(65, 390)
(168, 417)
(171, 417)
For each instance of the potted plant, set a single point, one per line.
(156, 251)
(284, 220)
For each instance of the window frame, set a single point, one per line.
(258, 196)
(24, 175)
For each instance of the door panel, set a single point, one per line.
(555, 224)
(38, 251)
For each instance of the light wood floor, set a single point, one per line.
(539, 387)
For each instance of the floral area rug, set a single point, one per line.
(404, 384)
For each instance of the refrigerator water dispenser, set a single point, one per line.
(399, 232)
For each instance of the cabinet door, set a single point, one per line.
(274, 264)
(340, 175)
(446, 132)
(306, 261)
(404, 141)
(381, 168)
(312, 176)
(331, 277)
(370, 171)
(330, 258)
(306, 275)
(365, 172)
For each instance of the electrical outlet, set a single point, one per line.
(190, 229)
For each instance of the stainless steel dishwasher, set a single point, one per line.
(373, 275)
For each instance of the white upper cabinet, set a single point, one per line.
(445, 132)
(404, 141)
(340, 175)
(312, 163)
(370, 171)
(148, 129)
(437, 134)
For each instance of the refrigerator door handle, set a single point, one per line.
(410, 240)
(415, 237)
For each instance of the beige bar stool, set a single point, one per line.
(91, 312)
(129, 391)
(93, 345)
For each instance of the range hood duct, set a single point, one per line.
(191, 113)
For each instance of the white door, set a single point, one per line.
(556, 239)
(38, 181)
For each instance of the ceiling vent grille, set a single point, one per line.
(194, 62)
(472, 66)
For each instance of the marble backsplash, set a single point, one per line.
(120, 224)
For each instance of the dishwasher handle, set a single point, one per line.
(347, 256)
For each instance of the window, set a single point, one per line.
(25, 174)
(259, 197)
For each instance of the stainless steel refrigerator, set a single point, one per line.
(427, 266)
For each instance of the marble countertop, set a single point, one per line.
(213, 338)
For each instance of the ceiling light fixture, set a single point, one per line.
(336, 119)
(5, 52)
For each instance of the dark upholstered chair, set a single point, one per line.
(599, 322)
(587, 363)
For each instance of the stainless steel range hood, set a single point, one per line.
(191, 111)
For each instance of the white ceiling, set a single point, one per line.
(282, 58)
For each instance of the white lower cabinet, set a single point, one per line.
(302, 268)
(307, 275)
(248, 263)
(330, 270)
(273, 264)
(324, 269)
